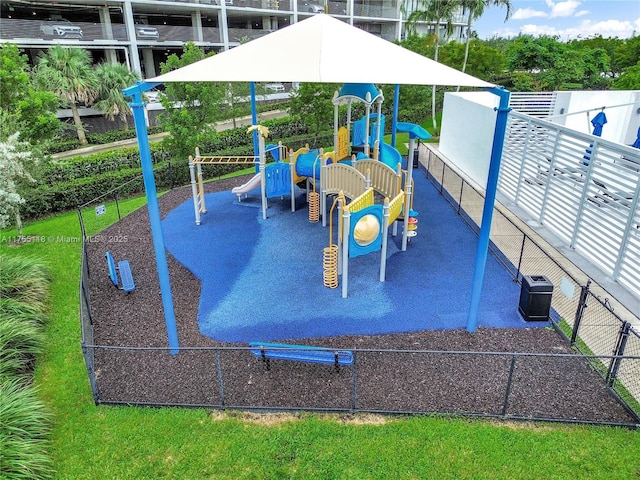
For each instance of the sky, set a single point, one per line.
(569, 19)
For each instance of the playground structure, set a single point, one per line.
(359, 170)
(272, 178)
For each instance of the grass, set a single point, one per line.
(90, 442)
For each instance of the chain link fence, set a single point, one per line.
(578, 310)
(526, 386)
(516, 386)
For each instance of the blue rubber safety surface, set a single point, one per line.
(262, 280)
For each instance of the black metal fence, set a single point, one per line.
(517, 386)
(606, 338)
(532, 386)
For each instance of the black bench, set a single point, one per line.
(124, 269)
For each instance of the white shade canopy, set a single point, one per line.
(325, 50)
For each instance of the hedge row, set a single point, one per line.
(71, 143)
(222, 143)
(84, 179)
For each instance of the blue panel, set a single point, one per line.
(111, 264)
(355, 249)
(278, 180)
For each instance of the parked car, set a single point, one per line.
(146, 32)
(60, 27)
(274, 87)
(312, 7)
(152, 96)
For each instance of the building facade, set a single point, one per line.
(142, 33)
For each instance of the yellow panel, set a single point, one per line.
(342, 149)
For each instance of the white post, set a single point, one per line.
(379, 133)
(263, 175)
(407, 204)
(335, 126)
(201, 186)
(345, 251)
(194, 189)
(340, 246)
(385, 231)
(292, 167)
(366, 126)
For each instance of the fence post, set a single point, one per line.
(354, 382)
(507, 392)
(81, 221)
(115, 197)
(220, 379)
(582, 304)
(618, 352)
(524, 240)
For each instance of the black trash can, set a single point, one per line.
(416, 154)
(535, 298)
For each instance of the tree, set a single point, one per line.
(474, 10)
(627, 54)
(312, 104)
(25, 109)
(629, 80)
(485, 62)
(68, 73)
(557, 65)
(15, 159)
(435, 11)
(237, 95)
(114, 77)
(190, 108)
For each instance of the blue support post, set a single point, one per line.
(489, 200)
(254, 121)
(137, 105)
(396, 103)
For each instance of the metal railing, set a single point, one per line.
(584, 189)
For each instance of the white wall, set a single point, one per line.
(466, 134)
(621, 109)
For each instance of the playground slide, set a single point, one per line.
(390, 156)
(247, 187)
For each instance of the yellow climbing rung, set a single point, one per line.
(223, 160)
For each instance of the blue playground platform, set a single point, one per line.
(262, 280)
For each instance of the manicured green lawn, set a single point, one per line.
(92, 442)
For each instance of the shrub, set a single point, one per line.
(21, 340)
(24, 432)
(24, 280)
(72, 182)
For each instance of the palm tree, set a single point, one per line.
(474, 10)
(68, 73)
(114, 77)
(436, 11)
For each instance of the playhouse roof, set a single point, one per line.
(321, 49)
(363, 92)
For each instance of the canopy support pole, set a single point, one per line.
(137, 106)
(489, 200)
(254, 121)
(396, 104)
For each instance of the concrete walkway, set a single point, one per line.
(131, 142)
